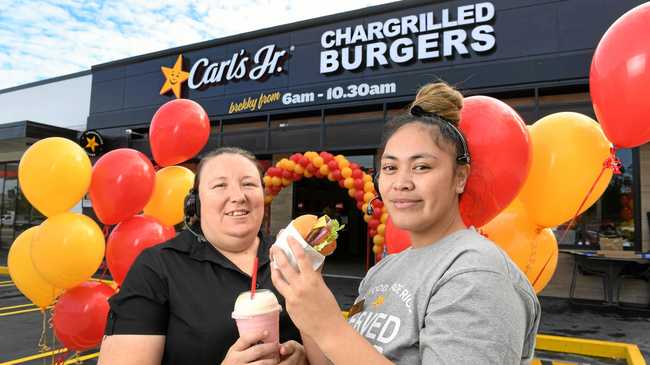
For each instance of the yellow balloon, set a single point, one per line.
(25, 276)
(166, 203)
(532, 249)
(54, 174)
(67, 249)
(569, 150)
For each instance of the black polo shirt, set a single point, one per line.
(185, 289)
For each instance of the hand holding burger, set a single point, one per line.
(316, 235)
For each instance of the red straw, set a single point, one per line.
(254, 277)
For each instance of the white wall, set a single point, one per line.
(64, 103)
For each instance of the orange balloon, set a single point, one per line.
(546, 263)
(569, 150)
(532, 249)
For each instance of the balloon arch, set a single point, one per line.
(337, 168)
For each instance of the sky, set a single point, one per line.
(45, 39)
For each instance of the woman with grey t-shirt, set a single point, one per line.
(453, 297)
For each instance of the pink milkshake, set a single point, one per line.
(260, 313)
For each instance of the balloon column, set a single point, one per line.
(58, 258)
(338, 169)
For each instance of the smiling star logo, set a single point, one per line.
(174, 77)
(91, 143)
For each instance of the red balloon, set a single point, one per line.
(129, 238)
(357, 173)
(333, 165)
(318, 174)
(311, 168)
(304, 161)
(80, 315)
(296, 176)
(296, 157)
(396, 240)
(358, 184)
(378, 204)
(336, 174)
(373, 223)
(122, 183)
(358, 195)
(377, 212)
(501, 153)
(619, 80)
(372, 232)
(287, 174)
(275, 189)
(354, 166)
(342, 183)
(359, 205)
(274, 171)
(326, 156)
(179, 130)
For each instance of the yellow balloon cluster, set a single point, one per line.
(568, 174)
(67, 248)
(337, 168)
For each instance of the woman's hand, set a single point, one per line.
(310, 303)
(248, 350)
(292, 353)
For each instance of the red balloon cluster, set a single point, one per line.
(335, 168)
(123, 181)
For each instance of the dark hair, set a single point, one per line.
(436, 105)
(227, 151)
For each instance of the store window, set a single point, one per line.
(16, 213)
(609, 223)
(10, 194)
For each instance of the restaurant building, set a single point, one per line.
(330, 83)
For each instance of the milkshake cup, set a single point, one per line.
(258, 314)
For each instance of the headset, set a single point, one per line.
(192, 211)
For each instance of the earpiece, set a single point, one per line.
(375, 180)
(192, 207)
(192, 210)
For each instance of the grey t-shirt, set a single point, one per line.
(460, 300)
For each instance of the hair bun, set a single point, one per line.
(441, 99)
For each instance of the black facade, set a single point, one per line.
(288, 96)
(537, 44)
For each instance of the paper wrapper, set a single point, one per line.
(281, 241)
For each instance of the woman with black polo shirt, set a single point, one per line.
(175, 304)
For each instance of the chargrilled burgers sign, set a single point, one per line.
(428, 34)
(422, 36)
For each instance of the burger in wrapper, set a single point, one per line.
(316, 235)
